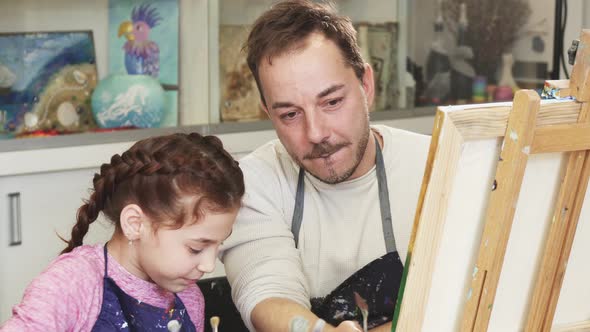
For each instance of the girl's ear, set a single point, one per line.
(131, 221)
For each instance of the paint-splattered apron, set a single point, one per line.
(121, 312)
(377, 282)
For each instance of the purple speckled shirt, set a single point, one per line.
(67, 296)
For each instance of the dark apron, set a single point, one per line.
(377, 282)
(121, 312)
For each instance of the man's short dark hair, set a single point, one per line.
(286, 26)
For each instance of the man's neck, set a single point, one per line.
(368, 160)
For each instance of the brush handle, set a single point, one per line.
(214, 321)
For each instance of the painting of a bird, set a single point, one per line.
(142, 55)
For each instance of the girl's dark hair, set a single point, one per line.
(155, 173)
(288, 23)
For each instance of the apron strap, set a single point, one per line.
(106, 260)
(386, 219)
(383, 202)
(298, 210)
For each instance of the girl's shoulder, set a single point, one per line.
(77, 275)
(66, 296)
(85, 263)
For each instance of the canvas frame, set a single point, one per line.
(454, 126)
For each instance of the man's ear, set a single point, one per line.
(369, 84)
(131, 219)
(263, 105)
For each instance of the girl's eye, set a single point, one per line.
(194, 251)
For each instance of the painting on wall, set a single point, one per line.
(240, 100)
(378, 44)
(46, 80)
(144, 40)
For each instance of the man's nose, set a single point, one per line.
(316, 127)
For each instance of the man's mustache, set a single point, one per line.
(324, 149)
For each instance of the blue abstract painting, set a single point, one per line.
(47, 78)
(143, 38)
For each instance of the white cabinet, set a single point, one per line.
(45, 204)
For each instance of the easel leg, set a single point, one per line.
(500, 211)
(560, 239)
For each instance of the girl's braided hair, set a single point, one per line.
(155, 173)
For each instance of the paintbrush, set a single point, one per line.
(362, 304)
(214, 323)
(173, 326)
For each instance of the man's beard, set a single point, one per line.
(326, 148)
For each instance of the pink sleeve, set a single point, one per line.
(65, 297)
(193, 300)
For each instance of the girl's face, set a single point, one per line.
(176, 258)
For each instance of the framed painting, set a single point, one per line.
(46, 80)
(144, 40)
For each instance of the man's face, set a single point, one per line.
(320, 109)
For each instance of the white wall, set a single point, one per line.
(246, 11)
(577, 19)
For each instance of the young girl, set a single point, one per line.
(173, 200)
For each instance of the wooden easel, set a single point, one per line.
(521, 139)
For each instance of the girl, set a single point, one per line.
(173, 200)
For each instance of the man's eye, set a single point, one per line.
(289, 115)
(334, 102)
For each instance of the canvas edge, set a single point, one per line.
(446, 145)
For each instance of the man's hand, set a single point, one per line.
(353, 326)
(346, 326)
(382, 328)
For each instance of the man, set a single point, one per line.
(323, 201)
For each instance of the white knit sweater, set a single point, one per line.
(341, 229)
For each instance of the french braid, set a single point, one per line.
(154, 173)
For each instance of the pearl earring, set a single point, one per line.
(130, 242)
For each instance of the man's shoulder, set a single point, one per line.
(271, 156)
(402, 137)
